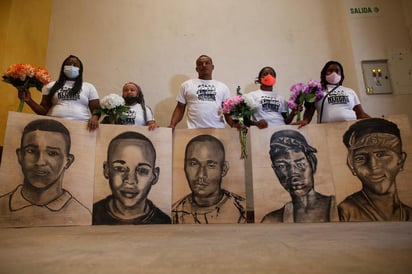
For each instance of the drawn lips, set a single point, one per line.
(39, 172)
(298, 186)
(377, 178)
(129, 193)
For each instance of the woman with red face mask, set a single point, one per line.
(271, 108)
(338, 104)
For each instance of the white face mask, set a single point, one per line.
(333, 78)
(71, 71)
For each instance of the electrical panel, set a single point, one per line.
(376, 77)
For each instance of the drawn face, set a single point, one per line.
(205, 168)
(204, 67)
(131, 171)
(294, 172)
(376, 167)
(43, 158)
(130, 90)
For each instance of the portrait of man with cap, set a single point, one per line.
(294, 163)
(375, 157)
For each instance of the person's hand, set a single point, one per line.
(24, 94)
(152, 125)
(93, 123)
(301, 123)
(261, 124)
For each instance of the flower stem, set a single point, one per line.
(20, 108)
(298, 118)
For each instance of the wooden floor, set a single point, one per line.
(249, 248)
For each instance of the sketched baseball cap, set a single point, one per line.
(290, 139)
(373, 132)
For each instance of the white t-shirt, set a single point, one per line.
(74, 107)
(203, 99)
(270, 107)
(338, 105)
(135, 115)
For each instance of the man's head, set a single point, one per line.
(204, 67)
(44, 152)
(375, 153)
(294, 161)
(130, 168)
(205, 165)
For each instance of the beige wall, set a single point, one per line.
(374, 38)
(155, 43)
(24, 30)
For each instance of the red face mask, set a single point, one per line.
(268, 80)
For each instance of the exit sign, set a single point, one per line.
(363, 11)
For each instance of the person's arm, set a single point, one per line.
(93, 122)
(40, 109)
(152, 124)
(289, 118)
(177, 114)
(360, 114)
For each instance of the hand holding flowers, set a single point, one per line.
(240, 108)
(25, 76)
(310, 92)
(113, 108)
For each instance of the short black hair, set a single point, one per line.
(133, 136)
(48, 125)
(206, 138)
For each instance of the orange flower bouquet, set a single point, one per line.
(25, 76)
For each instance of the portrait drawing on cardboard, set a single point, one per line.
(291, 182)
(208, 181)
(133, 176)
(46, 177)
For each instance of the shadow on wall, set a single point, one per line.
(164, 109)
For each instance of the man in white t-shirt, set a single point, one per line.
(203, 98)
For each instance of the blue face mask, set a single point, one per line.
(71, 72)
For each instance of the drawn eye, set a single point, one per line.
(280, 166)
(193, 163)
(142, 171)
(301, 165)
(380, 154)
(360, 159)
(53, 153)
(30, 151)
(211, 165)
(121, 169)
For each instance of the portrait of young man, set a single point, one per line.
(205, 168)
(376, 157)
(129, 188)
(294, 162)
(292, 179)
(41, 198)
